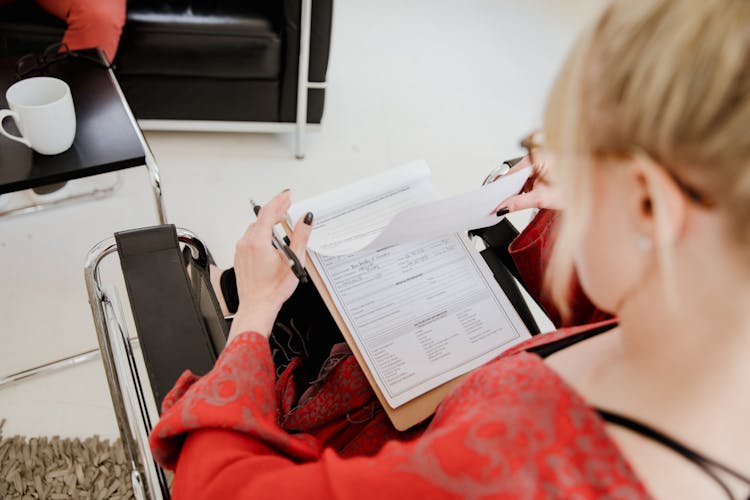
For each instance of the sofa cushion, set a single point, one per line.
(227, 40)
(218, 39)
(180, 98)
(25, 28)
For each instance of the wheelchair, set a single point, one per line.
(177, 324)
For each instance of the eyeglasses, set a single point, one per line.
(39, 64)
(534, 143)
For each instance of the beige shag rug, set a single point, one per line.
(55, 468)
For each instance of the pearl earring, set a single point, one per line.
(644, 243)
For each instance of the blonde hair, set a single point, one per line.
(670, 78)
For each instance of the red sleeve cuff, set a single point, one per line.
(238, 394)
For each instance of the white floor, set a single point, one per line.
(456, 83)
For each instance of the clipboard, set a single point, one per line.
(410, 413)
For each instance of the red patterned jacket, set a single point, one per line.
(513, 429)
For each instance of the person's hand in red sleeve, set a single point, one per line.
(264, 278)
(539, 190)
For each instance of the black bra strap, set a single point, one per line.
(550, 348)
(706, 464)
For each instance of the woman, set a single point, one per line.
(647, 147)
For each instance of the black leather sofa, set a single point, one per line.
(225, 60)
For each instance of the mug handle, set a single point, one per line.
(5, 113)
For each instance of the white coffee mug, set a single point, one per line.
(43, 111)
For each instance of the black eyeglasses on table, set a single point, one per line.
(38, 64)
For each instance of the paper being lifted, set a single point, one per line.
(399, 206)
(419, 302)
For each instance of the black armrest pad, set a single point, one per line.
(171, 330)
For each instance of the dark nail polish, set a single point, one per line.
(287, 189)
(502, 211)
(256, 209)
(308, 218)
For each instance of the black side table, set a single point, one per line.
(107, 138)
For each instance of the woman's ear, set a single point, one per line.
(659, 203)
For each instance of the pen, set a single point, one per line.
(294, 262)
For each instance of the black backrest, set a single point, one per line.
(498, 238)
(178, 322)
(25, 28)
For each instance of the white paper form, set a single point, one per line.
(399, 206)
(370, 205)
(421, 313)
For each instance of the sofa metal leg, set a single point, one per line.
(299, 142)
(303, 77)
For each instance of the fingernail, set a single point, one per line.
(256, 209)
(308, 218)
(287, 189)
(502, 211)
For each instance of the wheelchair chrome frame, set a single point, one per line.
(128, 398)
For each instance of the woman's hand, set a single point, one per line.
(538, 192)
(264, 278)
